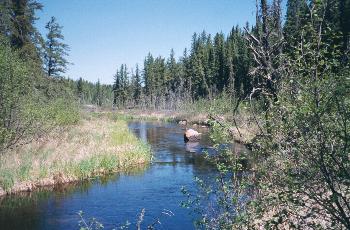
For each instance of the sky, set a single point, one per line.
(103, 34)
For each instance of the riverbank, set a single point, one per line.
(95, 146)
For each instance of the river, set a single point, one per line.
(115, 199)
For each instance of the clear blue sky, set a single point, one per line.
(103, 34)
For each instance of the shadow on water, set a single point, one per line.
(117, 198)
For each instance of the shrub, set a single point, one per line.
(30, 103)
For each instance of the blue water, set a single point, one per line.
(119, 198)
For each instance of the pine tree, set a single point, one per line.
(160, 81)
(172, 72)
(55, 50)
(137, 86)
(5, 18)
(187, 76)
(98, 94)
(116, 88)
(201, 88)
(221, 78)
(345, 25)
(148, 76)
(80, 89)
(19, 16)
(295, 19)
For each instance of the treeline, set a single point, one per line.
(219, 63)
(88, 93)
(213, 64)
(34, 97)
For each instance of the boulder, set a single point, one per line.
(2, 192)
(192, 135)
(183, 122)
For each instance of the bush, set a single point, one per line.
(30, 103)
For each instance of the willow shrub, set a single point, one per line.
(30, 103)
(304, 180)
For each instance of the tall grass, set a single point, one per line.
(93, 147)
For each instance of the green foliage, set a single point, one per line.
(222, 104)
(7, 180)
(304, 175)
(16, 90)
(62, 113)
(17, 25)
(54, 50)
(87, 167)
(94, 224)
(109, 163)
(27, 106)
(90, 93)
(300, 102)
(221, 199)
(218, 134)
(30, 102)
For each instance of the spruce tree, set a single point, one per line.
(345, 25)
(116, 88)
(172, 72)
(98, 94)
(5, 18)
(55, 51)
(148, 75)
(295, 19)
(80, 90)
(20, 14)
(219, 49)
(137, 86)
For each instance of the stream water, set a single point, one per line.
(115, 199)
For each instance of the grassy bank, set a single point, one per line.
(93, 147)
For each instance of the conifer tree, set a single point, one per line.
(219, 49)
(5, 18)
(80, 90)
(116, 88)
(345, 25)
(295, 19)
(137, 86)
(172, 72)
(55, 51)
(98, 94)
(17, 24)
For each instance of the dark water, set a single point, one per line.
(115, 199)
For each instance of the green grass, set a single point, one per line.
(7, 179)
(94, 147)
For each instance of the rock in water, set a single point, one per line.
(183, 122)
(2, 192)
(192, 135)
